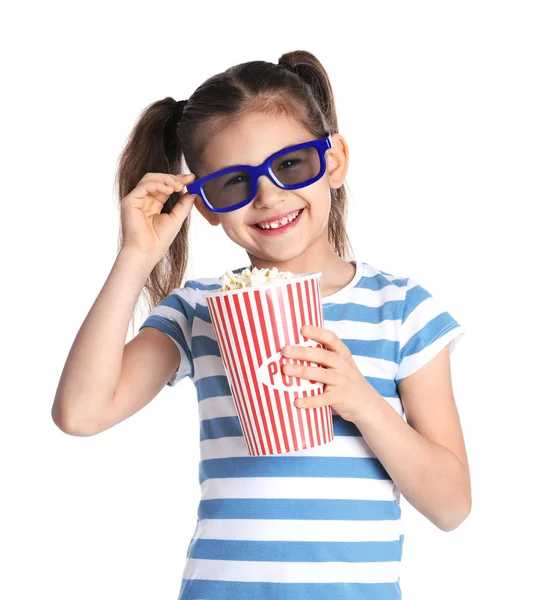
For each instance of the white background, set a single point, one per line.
(438, 103)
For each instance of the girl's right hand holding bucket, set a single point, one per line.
(144, 228)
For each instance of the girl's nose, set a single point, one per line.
(268, 194)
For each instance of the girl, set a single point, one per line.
(319, 523)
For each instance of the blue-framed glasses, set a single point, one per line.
(290, 168)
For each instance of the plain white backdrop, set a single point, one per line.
(437, 102)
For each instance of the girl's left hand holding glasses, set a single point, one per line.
(345, 386)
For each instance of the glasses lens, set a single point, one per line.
(228, 190)
(297, 166)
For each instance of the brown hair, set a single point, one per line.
(298, 85)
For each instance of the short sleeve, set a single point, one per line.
(426, 328)
(174, 317)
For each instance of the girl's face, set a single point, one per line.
(250, 141)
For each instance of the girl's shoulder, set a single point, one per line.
(384, 282)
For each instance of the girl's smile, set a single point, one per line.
(279, 226)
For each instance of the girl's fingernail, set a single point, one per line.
(299, 402)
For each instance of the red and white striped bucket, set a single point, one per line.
(252, 326)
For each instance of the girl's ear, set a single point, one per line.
(337, 159)
(211, 217)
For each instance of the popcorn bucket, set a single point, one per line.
(253, 325)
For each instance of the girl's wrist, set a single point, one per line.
(370, 405)
(134, 256)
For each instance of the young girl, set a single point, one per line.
(322, 523)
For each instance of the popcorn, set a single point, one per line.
(254, 278)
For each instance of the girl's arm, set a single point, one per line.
(82, 405)
(426, 456)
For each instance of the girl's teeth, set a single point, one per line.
(275, 224)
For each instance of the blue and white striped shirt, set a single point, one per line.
(316, 524)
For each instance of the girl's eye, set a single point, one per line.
(288, 163)
(236, 179)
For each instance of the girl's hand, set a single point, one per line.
(344, 383)
(143, 226)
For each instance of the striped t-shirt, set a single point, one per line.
(316, 524)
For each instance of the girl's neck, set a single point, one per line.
(336, 272)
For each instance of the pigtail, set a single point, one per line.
(154, 147)
(311, 71)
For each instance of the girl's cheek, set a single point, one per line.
(234, 232)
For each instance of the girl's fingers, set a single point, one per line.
(183, 206)
(310, 354)
(168, 177)
(315, 401)
(311, 373)
(327, 338)
(156, 190)
(175, 182)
